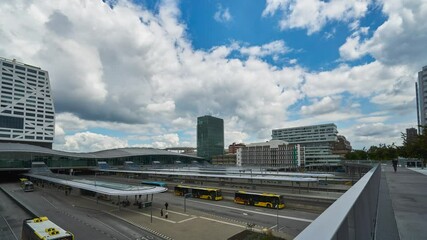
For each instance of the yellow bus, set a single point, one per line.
(268, 200)
(26, 185)
(42, 228)
(199, 192)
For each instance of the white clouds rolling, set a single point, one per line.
(314, 14)
(131, 70)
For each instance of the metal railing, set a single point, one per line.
(353, 215)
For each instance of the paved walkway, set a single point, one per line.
(406, 201)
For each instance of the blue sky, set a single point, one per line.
(139, 73)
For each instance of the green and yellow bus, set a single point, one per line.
(268, 200)
(42, 228)
(26, 185)
(199, 192)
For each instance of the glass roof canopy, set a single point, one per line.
(102, 187)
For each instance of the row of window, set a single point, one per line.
(5, 64)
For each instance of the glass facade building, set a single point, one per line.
(210, 137)
(27, 113)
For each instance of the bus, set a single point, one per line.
(160, 184)
(268, 200)
(199, 192)
(41, 228)
(26, 185)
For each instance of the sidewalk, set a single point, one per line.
(408, 195)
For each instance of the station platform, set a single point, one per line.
(402, 204)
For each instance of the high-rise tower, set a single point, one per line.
(210, 137)
(27, 113)
(422, 97)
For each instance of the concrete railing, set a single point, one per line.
(353, 215)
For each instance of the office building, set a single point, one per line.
(421, 89)
(341, 147)
(210, 137)
(232, 148)
(274, 153)
(411, 135)
(318, 141)
(228, 159)
(27, 113)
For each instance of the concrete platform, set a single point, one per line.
(407, 192)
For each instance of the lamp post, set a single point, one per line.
(277, 218)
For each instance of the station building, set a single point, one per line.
(16, 156)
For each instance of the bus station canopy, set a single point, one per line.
(102, 187)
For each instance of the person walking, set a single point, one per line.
(166, 205)
(161, 212)
(394, 162)
(166, 214)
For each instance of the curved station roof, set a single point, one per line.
(102, 187)
(110, 153)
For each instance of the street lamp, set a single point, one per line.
(277, 218)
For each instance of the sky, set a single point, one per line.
(138, 73)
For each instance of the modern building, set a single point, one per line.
(318, 141)
(274, 153)
(228, 159)
(421, 88)
(16, 156)
(411, 135)
(341, 147)
(232, 148)
(210, 137)
(27, 113)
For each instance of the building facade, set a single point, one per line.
(317, 140)
(341, 147)
(210, 137)
(232, 148)
(422, 97)
(225, 159)
(27, 112)
(411, 135)
(275, 153)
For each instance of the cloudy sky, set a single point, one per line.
(139, 73)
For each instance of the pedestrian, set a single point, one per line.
(166, 205)
(394, 162)
(161, 212)
(166, 214)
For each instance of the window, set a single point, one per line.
(7, 65)
(11, 122)
(20, 68)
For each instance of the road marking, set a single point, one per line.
(49, 202)
(261, 213)
(145, 214)
(214, 220)
(183, 214)
(115, 230)
(272, 227)
(187, 219)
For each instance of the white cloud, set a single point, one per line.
(399, 40)
(314, 14)
(325, 105)
(88, 142)
(129, 70)
(222, 14)
(273, 48)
